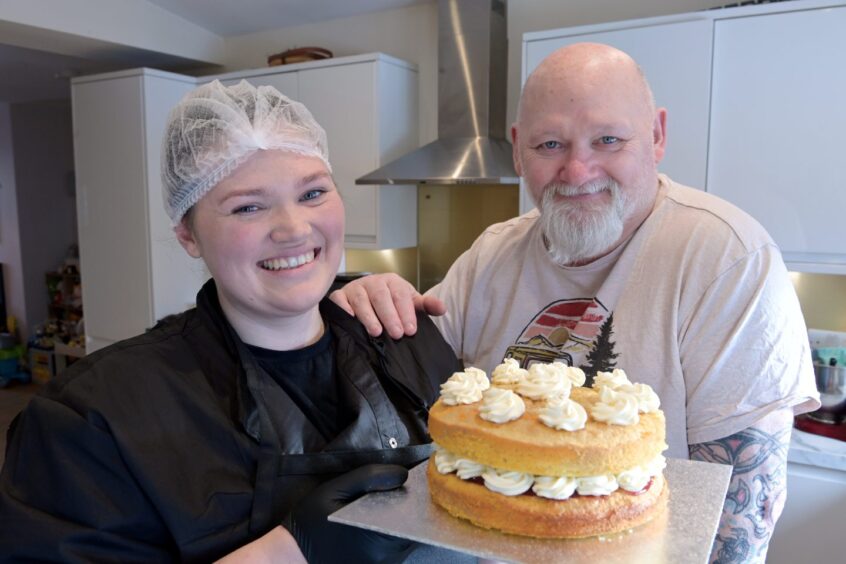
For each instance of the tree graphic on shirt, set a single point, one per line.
(601, 356)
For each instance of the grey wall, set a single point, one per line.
(10, 246)
(43, 154)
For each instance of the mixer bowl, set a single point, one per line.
(831, 383)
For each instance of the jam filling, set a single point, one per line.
(479, 480)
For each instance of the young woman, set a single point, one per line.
(236, 427)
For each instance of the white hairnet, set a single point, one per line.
(215, 128)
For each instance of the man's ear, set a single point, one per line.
(659, 134)
(187, 239)
(515, 151)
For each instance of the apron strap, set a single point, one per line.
(344, 461)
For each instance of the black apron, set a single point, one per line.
(286, 472)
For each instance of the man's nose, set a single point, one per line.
(289, 225)
(577, 167)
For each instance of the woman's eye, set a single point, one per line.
(608, 140)
(313, 194)
(249, 208)
(550, 145)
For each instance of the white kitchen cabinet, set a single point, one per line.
(778, 96)
(811, 527)
(134, 271)
(368, 106)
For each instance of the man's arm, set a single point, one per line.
(758, 487)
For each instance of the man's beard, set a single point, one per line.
(576, 232)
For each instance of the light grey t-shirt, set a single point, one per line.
(697, 304)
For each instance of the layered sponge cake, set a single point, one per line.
(534, 452)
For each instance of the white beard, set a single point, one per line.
(576, 233)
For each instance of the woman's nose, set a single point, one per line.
(289, 225)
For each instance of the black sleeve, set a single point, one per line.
(424, 360)
(66, 494)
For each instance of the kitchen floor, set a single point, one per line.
(12, 400)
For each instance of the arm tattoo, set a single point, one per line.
(756, 493)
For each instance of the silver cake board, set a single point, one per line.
(683, 533)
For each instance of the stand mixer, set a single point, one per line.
(830, 419)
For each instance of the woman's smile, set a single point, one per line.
(290, 263)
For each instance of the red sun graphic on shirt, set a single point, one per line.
(565, 331)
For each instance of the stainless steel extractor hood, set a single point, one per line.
(472, 75)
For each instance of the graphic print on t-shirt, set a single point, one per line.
(576, 332)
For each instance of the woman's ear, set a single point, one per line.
(187, 239)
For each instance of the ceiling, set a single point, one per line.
(225, 17)
(30, 74)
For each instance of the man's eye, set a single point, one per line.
(313, 194)
(608, 140)
(550, 145)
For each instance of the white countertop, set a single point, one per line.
(816, 450)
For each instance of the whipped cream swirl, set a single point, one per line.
(508, 373)
(613, 379)
(467, 469)
(656, 465)
(576, 375)
(445, 461)
(464, 387)
(479, 375)
(507, 482)
(552, 487)
(597, 485)
(615, 408)
(647, 400)
(634, 479)
(563, 414)
(500, 405)
(544, 381)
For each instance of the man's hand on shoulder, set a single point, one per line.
(386, 301)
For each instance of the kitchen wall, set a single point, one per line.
(10, 240)
(37, 203)
(46, 201)
(400, 261)
(823, 300)
(450, 218)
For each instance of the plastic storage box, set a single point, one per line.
(10, 370)
(42, 365)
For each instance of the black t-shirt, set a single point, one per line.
(309, 377)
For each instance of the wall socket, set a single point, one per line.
(820, 338)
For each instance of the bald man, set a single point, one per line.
(619, 266)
